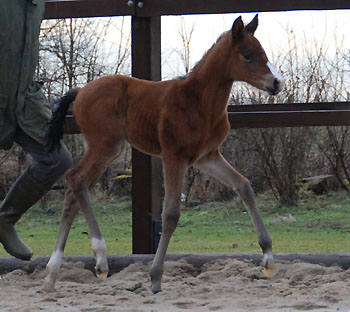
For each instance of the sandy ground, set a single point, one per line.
(225, 285)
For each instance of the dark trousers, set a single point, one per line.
(48, 166)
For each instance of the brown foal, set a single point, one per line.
(183, 121)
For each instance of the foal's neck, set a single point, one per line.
(211, 76)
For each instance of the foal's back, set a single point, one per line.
(120, 108)
(152, 116)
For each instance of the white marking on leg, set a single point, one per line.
(99, 248)
(55, 261)
(52, 269)
(98, 245)
(268, 257)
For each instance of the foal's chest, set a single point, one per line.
(218, 132)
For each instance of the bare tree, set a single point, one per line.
(184, 52)
(313, 74)
(74, 52)
(122, 56)
(70, 53)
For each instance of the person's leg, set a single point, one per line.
(49, 166)
(29, 187)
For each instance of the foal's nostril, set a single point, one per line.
(276, 83)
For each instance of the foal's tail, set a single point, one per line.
(55, 132)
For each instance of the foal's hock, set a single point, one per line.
(183, 121)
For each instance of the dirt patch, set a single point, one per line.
(223, 285)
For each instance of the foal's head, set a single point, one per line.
(249, 61)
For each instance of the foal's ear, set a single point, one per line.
(252, 26)
(237, 29)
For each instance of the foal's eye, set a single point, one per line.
(248, 58)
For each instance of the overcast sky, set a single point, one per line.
(307, 26)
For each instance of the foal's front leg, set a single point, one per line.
(219, 168)
(174, 172)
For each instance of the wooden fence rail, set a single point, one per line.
(274, 116)
(147, 8)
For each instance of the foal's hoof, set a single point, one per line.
(49, 283)
(156, 286)
(102, 276)
(156, 289)
(48, 289)
(268, 272)
(268, 264)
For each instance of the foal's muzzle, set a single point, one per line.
(276, 81)
(277, 86)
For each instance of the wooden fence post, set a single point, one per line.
(146, 170)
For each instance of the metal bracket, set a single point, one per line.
(131, 3)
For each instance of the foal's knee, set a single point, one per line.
(265, 242)
(170, 220)
(77, 180)
(70, 206)
(245, 190)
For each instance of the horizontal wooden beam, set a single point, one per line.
(274, 116)
(171, 7)
(94, 8)
(70, 126)
(289, 115)
(87, 8)
(326, 106)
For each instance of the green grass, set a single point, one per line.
(39, 229)
(322, 224)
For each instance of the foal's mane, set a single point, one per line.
(183, 77)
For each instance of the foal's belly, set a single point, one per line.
(145, 143)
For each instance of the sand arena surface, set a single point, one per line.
(223, 285)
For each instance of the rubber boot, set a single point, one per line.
(23, 194)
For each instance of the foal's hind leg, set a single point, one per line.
(82, 178)
(70, 210)
(174, 172)
(219, 168)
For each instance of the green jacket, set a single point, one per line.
(22, 102)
